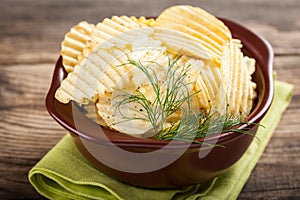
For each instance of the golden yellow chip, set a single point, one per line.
(110, 28)
(98, 74)
(249, 97)
(208, 30)
(180, 43)
(208, 81)
(75, 41)
(89, 79)
(239, 90)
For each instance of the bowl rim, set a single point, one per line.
(262, 48)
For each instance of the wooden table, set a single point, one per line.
(30, 36)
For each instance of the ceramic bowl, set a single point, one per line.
(153, 163)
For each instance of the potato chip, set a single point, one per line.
(75, 41)
(76, 45)
(98, 72)
(239, 90)
(180, 43)
(197, 67)
(91, 78)
(248, 98)
(109, 28)
(203, 26)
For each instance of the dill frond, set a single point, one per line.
(192, 125)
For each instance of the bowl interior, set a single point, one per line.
(253, 46)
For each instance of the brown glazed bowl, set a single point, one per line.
(137, 161)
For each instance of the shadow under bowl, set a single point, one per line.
(155, 163)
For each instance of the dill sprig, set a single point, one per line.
(166, 102)
(192, 124)
(195, 125)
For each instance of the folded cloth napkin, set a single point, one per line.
(65, 174)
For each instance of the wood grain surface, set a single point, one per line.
(30, 36)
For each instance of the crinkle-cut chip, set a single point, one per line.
(213, 53)
(208, 81)
(212, 77)
(203, 95)
(109, 28)
(175, 41)
(248, 87)
(249, 99)
(68, 92)
(203, 21)
(180, 43)
(97, 72)
(239, 90)
(230, 72)
(75, 41)
(92, 77)
(100, 71)
(210, 31)
(116, 25)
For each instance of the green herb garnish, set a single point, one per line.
(176, 96)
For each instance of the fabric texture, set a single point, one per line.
(65, 174)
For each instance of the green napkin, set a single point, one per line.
(65, 174)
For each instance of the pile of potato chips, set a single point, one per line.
(95, 57)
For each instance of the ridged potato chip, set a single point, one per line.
(201, 25)
(82, 38)
(110, 28)
(237, 84)
(207, 82)
(74, 43)
(180, 43)
(101, 70)
(92, 77)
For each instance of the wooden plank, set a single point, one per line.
(290, 193)
(27, 131)
(277, 174)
